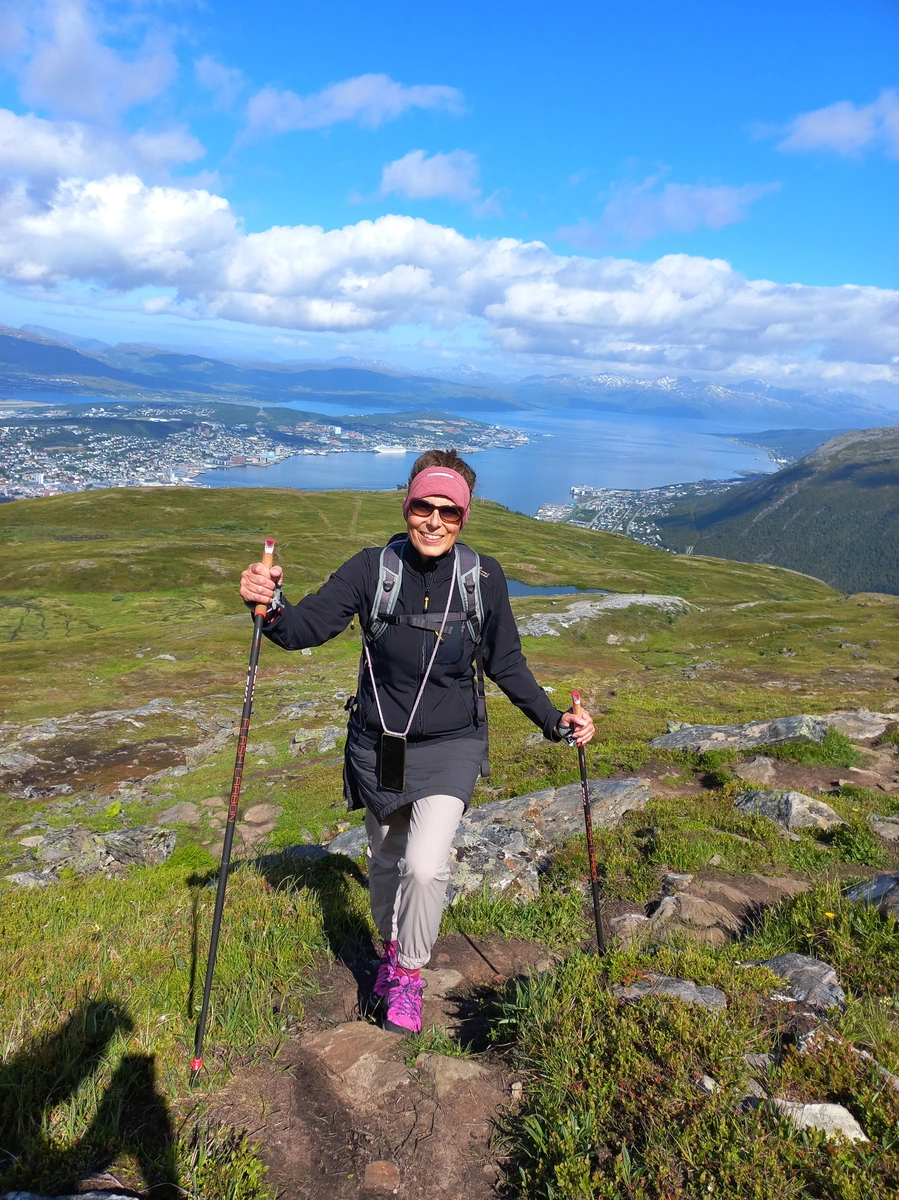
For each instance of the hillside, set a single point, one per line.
(833, 514)
(123, 652)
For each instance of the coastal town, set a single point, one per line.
(46, 450)
(632, 512)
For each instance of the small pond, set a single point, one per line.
(560, 589)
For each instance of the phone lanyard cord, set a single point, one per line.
(424, 682)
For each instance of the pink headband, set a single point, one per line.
(440, 481)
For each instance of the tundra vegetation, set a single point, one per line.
(110, 601)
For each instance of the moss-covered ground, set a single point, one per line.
(100, 989)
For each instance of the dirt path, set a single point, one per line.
(342, 1114)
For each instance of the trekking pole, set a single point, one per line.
(588, 821)
(259, 612)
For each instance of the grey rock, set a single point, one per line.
(360, 1058)
(548, 624)
(792, 810)
(89, 853)
(885, 827)
(760, 1062)
(744, 737)
(695, 917)
(881, 892)
(707, 1084)
(859, 724)
(352, 843)
(183, 813)
(831, 1119)
(759, 770)
(684, 990)
(262, 814)
(208, 747)
(811, 980)
(298, 710)
(447, 1074)
(12, 760)
(329, 737)
(31, 879)
(630, 928)
(503, 845)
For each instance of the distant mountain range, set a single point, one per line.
(37, 358)
(833, 514)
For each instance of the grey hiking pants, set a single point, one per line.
(408, 870)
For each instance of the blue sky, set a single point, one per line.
(646, 187)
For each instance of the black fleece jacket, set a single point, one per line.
(449, 705)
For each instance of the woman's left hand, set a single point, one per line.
(581, 726)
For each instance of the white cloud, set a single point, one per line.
(72, 72)
(223, 82)
(845, 128)
(452, 176)
(369, 99)
(38, 149)
(679, 313)
(637, 212)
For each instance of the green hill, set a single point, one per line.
(834, 514)
(111, 600)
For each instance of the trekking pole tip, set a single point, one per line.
(196, 1065)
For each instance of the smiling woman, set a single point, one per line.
(417, 737)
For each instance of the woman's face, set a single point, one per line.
(433, 535)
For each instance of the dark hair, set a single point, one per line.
(443, 458)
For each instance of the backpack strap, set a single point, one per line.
(390, 580)
(468, 581)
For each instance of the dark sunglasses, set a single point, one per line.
(450, 514)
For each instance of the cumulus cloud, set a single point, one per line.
(38, 149)
(679, 313)
(452, 176)
(225, 83)
(637, 212)
(369, 99)
(72, 72)
(846, 128)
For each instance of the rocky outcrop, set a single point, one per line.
(504, 845)
(759, 770)
(87, 853)
(777, 732)
(792, 810)
(549, 624)
(832, 1120)
(812, 981)
(685, 990)
(858, 724)
(885, 827)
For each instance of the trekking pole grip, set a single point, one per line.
(268, 558)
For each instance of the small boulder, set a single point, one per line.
(792, 810)
(778, 732)
(183, 813)
(830, 1119)
(262, 814)
(885, 827)
(360, 1058)
(381, 1176)
(684, 990)
(630, 928)
(694, 917)
(328, 738)
(446, 1074)
(759, 770)
(811, 980)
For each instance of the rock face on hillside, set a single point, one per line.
(549, 624)
(503, 845)
(858, 724)
(89, 853)
(792, 810)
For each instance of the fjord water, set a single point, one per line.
(609, 450)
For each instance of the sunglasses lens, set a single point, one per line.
(448, 513)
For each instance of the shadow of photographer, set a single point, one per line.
(47, 1139)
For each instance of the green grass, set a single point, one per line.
(99, 991)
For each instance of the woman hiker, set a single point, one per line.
(431, 612)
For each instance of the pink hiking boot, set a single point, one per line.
(404, 1003)
(386, 972)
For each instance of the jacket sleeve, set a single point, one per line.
(321, 615)
(504, 661)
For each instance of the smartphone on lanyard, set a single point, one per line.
(392, 768)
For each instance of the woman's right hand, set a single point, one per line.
(258, 583)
